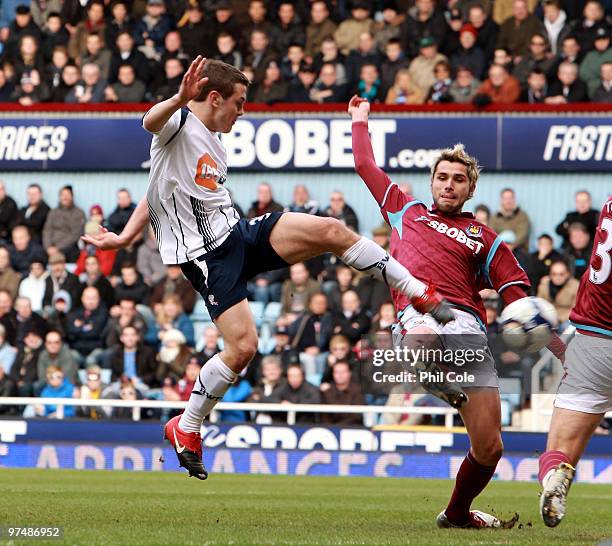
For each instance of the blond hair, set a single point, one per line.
(457, 154)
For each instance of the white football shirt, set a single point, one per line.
(189, 207)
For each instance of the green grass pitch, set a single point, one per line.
(116, 508)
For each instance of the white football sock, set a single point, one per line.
(214, 380)
(366, 255)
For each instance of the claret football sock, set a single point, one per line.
(214, 380)
(471, 479)
(549, 460)
(366, 255)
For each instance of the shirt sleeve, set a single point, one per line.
(168, 129)
(502, 268)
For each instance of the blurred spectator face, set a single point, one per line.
(537, 46)
(366, 42)
(467, 39)
(259, 41)
(393, 51)
(34, 342)
(319, 12)
(570, 48)
(93, 380)
(173, 272)
(536, 81)
(226, 44)
(29, 46)
(501, 57)
(498, 75)
(2, 78)
(425, 7)
(606, 72)
(194, 15)
(21, 238)
(264, 194)
(223, 15)
(559, 273)
(272, 72)
(344, 275)
(55, 378)
(579, 237)
(5, 259)
(298, 274)
(567, 73)
(248, 72)
(172, 41)
(90, 299)
(129, 338)
(2, 191)
(583, 202)
(350, 302)
(53, 343)
(6, 303)
(551, 12)
(65, 198)
(125, 42)
(387, 312)
(95, 13)
(192, 370)
(173, 68)
(464, 78)
(429, 52)
(23, 19)
(70, 75)
(441, 72)
(295, 377)
(127, 309)
(403, 80)
(360, 14)
(59, 58)
(37, 270)
(90, 74)
(94, 44)
(545, 246)
(211, 338)
(271, 370)
(34, 196)
(300, 195)
(54, 24)
(155, 10)
(128, 392)
(519, 10)
(336, 202)
(508, 201)
(257, 11)
(389, 15)
(307, 78)
(341, 374)
(339, 347)
(295, 54)
(369, 74)
(593, 11)
(124, 199)
(318, 304)
(286, 13)
(171, 309)
(477, 16)
(119, 11)
(602, 43)
(92, 266)
(126, 75)
(329, 49)
(328, 75)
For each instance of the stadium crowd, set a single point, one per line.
(76, 321)
(388, 51)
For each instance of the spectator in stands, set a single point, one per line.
(174, 283)
(94, 276)
(225, 21)
(288, 30)
(238, 392)
(404, 91)
(7, 388)
(184, 386)
(95, 22)
(464, 86)
(584, 213)
(542, 259)
(22, 25)
(57, 313)
(92, 390)
(132, 285)
(366, 53)
(578, 251)
(348, 32)
(9, 278)
(292, 62)
(34, 215)
(486, 29)
(594, 59)
(302, 201)
(127, 88)
(585, 30)
(311, 330)
(196, 33)
(422, 67)
(440, 90)
(132, 360)
(173, 47)
(538, 57)
(64, 226)
(556, 24)
(96, 53)
(24, 371)
(384, 319)
(24, 251)
(342, 392)
(298, 391)
(26, 320)
(33, 286)
(56, 353)
(394, 61)
(352, 321)
(469, 54)
(301, 88)
(260, 54)
(499, 88)
(150, 30)
(516, 31)
(319, 28)
(7, 352)
(228, 50)
(87, 323)
(8, 316)
(128, 392)
(122, 315)
(57, 386)
(256, 19)
(482, 213)
(271, 88)
(340, 351)
(344, 282)
(211, 344)
(30, 90)
(298, 290)
(59, 59)
(173, 356)
(570, 51)
(125, 52)
(265, 202)
(568, 87)
(327, 88)
(331, 54)
(268, 387)
(7, 87)
(60, 279)
(510, 217)
(55, 37)
(29, 57)
(282, 348)
(90, 89)
(423, 21)
(560, 289)
(537, 88)
(170, 316)
(149, 262)
(389, 28)
(369, 85)
(339, 209)
(119, 21)
(70, 76)
(603, 93)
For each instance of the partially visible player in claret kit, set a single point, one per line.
(585, 392)
(447, 248)
(197, 227)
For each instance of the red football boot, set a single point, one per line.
(433, 303)
(188, 448)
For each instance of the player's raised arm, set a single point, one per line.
(365, 164)
(191, 85)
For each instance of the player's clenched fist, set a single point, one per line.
(359, 108)
(193, 82)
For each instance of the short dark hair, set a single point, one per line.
(537, 71)
(395, 41)
(35, 186)
(484, 209)
(222, 77)
(53, 14)
(545, 236)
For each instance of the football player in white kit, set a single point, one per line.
(197, 228)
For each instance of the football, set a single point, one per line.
(528, 324)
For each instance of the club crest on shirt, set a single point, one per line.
(474, 230)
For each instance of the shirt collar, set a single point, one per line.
(464, 214)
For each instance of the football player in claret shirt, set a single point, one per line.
(585, 392)
(447, 247)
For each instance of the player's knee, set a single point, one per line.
(489, 452)
(246, 349)
(333, 232)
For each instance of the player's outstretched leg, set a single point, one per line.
(237, 327)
